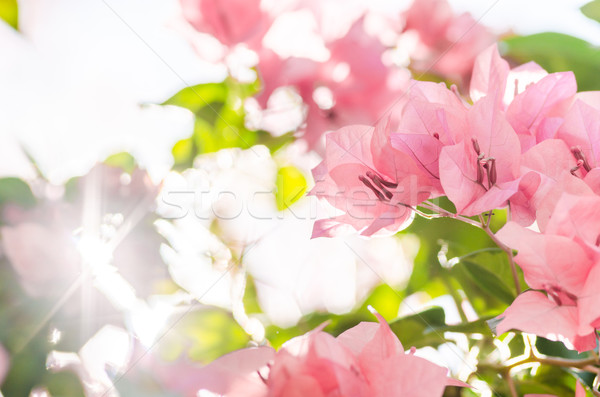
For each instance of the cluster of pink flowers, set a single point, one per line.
(366, 360)
(528, 142)
(347, 61)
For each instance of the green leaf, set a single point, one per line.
(485, 276)
(291, 185)
(183, 153)
(557, 52)
(488, 281)
(203, 336)
(14, 190)
(419, 329)
(199, 96)
(9, 12)
(479, 326)
(592, 10)
(385, 300)
(122, 160)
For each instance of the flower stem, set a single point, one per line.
(511, 383)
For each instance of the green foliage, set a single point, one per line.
(16, 191)
(203, 336)
(219, 120)
(592, 10)
(490, 271)
(9, 12)
(291, 185)
(122, 160)
(419, 329)
(557, 52)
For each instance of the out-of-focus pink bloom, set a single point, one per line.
(44, 258)
(367, 360)
(334, 90)
(230, 21)
(370, 181)
(44, 245)
(448, 44)
(563, 263)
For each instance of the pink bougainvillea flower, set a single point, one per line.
(230, 21)
(536, 113)
(535, 313)
(449, 44)
(365, 361)
(481, 172)
(372, 183)
(549, 262)
(432, 118)
(546, 172)
(577, 218)
(535, 102)
(581, 132)
(564, 270)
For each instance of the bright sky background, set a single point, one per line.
(532, 16)
(525, 16)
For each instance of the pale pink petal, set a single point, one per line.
(547, 260)
(592, 179)
(537, 102)
(546, 168)
(407, 375)
(382, 345)
(577, 217)
(496, 138)
(588, 302)
(489, 74)
(237, 369)
(458, 175)
(357, 337)
(581, 129)
(520, 78)
(522, 206)
(565, 183)
(591, 98)
(533, 312)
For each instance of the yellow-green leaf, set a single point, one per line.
(291, 185)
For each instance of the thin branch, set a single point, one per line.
(441, 213)
(511, 383)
